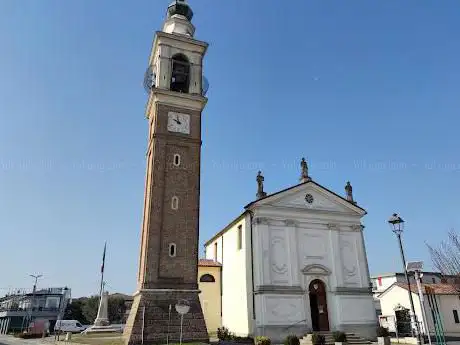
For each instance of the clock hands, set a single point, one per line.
(179, 123)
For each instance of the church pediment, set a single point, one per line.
(311, 196)
(316, 270)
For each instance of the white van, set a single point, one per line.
(69, 326)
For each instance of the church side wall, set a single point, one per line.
(235, 294)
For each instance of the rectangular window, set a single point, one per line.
(456, 316)
(215, 251)
(240, 237)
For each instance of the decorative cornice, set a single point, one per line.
(269, 289)
(356, 227)
(316, 269)
(291, 222)
(174, 99)
(343, 290)
(165, 291)
(310, 257)
(261, 220)
(333, 226)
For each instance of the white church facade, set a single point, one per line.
(294, 262)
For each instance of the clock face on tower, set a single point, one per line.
(179, 123)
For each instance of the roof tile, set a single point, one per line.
(208, 263)
(438, 289)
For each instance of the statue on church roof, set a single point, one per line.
(260, 186)
(304, 175)
(349, 192)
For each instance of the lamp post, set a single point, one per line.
(397, 226)
(36, 277)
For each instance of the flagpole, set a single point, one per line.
(102, 270)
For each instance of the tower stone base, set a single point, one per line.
(152, 321)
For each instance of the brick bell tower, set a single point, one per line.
(169, 242)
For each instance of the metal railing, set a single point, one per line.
(401, 329)
(28, 309)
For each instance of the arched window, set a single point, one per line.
(207, 278)
(175, 203)
(180, 76)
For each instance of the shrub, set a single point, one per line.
(263, 341)
(382, 332)
(292, 340)
(238, 339)
(223, 333)
(339, 337)
(318, 339)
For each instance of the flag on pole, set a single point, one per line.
(103, 258)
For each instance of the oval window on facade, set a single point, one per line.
(176, 161)
(172, 250)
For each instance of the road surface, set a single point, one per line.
(9, 340)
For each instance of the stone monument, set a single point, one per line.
(102, 323)
(102, 318)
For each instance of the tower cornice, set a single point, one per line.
(175, 99)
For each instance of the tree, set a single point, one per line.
(116, 309)
(85, 309)
(74, 311)
(446, 257)
(90, 308)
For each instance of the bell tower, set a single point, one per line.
(168, 259)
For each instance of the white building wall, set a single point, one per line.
(448, 303)
(386, 282)
(235, 269)
(397, 296)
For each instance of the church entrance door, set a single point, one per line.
(318, 306)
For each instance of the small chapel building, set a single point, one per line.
(294, 262)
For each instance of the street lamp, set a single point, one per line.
(36, 277)
(397, 226)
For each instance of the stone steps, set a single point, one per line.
(352, 339)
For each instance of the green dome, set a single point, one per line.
(180, 7)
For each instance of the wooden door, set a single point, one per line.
(318, 306)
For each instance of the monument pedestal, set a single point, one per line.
(151, 323)
(102, 323)
(102, 318)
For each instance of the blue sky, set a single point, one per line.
(367, 91)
